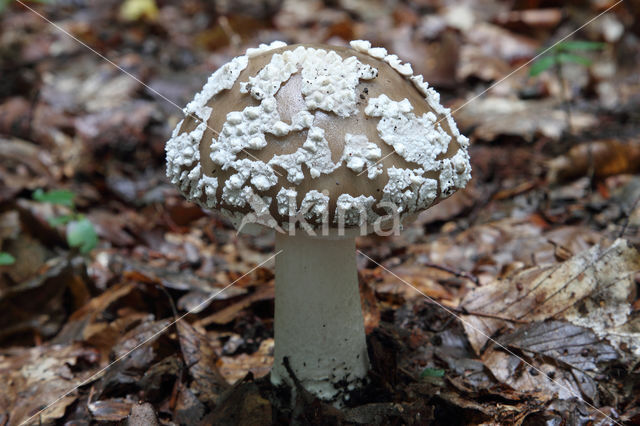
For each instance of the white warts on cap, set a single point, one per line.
(381, 53)
(286, 201)
(416, 139)
(409, 190)
(258, 173)
(355, 211)
(255, 51)
(433, 99)
(359, 152)
(314, 205)
(222, 79)
(314, 153)
(328, 82)
(244, 130)
(455, 173)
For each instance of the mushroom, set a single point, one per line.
(321, 143)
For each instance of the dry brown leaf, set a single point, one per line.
(607, 158)
(531, 18)
(474, 62)
(590, 289)
(263, 292)
(35, 306)
(436, 60)
(110, 410)
(496, 41)
(35, 377)
(201, 359)
(142, 415)
(258, 363)
(87, 323)
(562, 360)
(492, 116)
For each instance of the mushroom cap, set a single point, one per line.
(333, 135)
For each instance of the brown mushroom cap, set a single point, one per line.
(342, 179)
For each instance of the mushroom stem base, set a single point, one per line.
(318, 316)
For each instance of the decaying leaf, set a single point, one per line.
(594, 284)
(519, 253)
(562, 360)
(143, 415)
(228, 314)
(23, 165)
(258, 363)
(201, 359)
(606, 158)
(137, 350)
(33, 378)
(531, 18)
(111, 410)
(492, 116)
(35, 306)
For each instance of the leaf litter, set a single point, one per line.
(539, 253)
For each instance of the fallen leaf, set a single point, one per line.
(518, 20)
(36, 306)
(263, 292)
(496, 41)
(590, 289)
(35, 377)
(110, 410)
(189, 410)
(563, 360)
(200, 358)
(606, 158)
(142, 415)
(244, 404)
(492, 116)
(234, 368)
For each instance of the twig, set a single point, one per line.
(463, 311)
(162, 288)
(459, 274)
(566, 96)
(628, 217)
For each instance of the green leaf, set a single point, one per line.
(6, 259)
(542, 64)
(432, 372)
(82, 234)
(56, 196)
(61, 220)
(572, 58)
(573, 45)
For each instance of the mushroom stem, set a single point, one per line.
(318, 316)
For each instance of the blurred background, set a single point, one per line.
(98, 251)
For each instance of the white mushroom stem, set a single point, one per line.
(318, 315)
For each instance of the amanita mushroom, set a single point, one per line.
(319, 142)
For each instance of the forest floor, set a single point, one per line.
(539, 252)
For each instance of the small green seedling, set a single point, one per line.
(560, 54)
(80, 231)
(564, 53)
(6, 259)
(432, 372)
